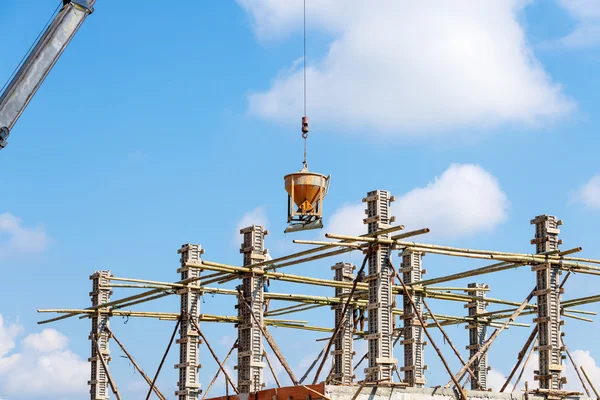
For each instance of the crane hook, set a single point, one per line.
(304, 127)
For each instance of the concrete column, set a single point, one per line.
(381, 357)
(189, 341)
(343, 372)
(250, 347)
(414, 364)
(99, 379)
(550, 349)
(477, 336)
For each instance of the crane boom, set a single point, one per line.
(40, 61)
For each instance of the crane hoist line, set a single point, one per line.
(28, 77)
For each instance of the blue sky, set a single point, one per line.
(166, 125)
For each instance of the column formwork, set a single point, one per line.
(477, 336)
(414, 363)
(379, 308)
(549, 348)
(189, 341)
(99, 338)
(250, 341)
(343, 372)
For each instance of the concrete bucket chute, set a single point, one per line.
(306, 191)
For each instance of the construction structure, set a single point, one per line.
(387, 372)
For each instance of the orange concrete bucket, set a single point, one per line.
(307, 189)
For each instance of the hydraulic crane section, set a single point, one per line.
(38, 64)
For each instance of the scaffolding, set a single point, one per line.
(376, 295)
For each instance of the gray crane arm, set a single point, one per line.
(38, 64)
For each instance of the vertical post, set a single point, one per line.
(189, 341)
(414, 368)
(250, 348)
(100, 294)
(343, 372)
(477, 336)
(381, 361)
(549, 348)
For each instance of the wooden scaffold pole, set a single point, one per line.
(436, 348)
(214, 379)
(520, 357)
(162, 361)
(271, 342)
(135, 364)
(491, 339)
(193, 321)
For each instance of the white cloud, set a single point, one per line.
(257, 216)
(347, 220)
(496, 380)
(589, 193)
(46, 341)
(409, 68)
(8, 333)
(587, 29)
(583, 358)
(18, 239)
(464, 200)
(44, 366)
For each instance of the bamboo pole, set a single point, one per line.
(359, 238)
(213, 353)
(576, 369)
(475, 253)
(587, 260)
(136, 280)
(277, 262)
(489, 342)
(564, 314)
(132, 286)
(590, 382)
(585, 312)
(271, 368)
(111, 381)
(140, 301)
(342, 320)
(119, 301)
(565, 265)
(270, 340)
(520, 357)
(408, 295)
(523, 370)
(163, 358)
(299, 309)
(332, 283)
(570, 251)
(458, 289)
(328, 244)
(274, 263)
(219, 369)
(470, 273)
(447, 338)
(580, 301)
(135, 364)
(426, 246)
(410, 233)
